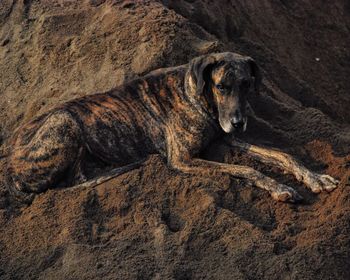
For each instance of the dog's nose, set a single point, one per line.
(237, 117)
(238, 125)
(237, 120)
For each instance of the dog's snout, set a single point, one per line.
(237, 118)
(238, 122)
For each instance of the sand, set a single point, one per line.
(154, 222)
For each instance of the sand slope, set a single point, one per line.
(153, 222)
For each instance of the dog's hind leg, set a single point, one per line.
(315, 182)
(43, 155)
(109, 175)
(76, 173)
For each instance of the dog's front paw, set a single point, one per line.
(318, 183)
(286, 194)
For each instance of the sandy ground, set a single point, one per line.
(153, 222)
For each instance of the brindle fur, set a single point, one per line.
(175, 112)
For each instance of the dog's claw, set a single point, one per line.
(318, 183)
(286, 194)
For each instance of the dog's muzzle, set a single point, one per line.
(234, 125)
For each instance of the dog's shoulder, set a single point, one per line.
(155, 81)
(177, 70)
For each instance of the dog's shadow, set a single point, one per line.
(245, 202)
(258, 208)
(250, 203)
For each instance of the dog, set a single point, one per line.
(175, 112)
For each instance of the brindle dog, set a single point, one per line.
(175, 112)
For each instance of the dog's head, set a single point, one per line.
(225, 80)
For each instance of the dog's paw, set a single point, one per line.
(318, 183)
(286, 194)
(20, 195)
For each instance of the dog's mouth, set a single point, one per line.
(230, 126)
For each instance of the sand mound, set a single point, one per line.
(153, 222)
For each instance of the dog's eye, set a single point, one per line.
(220, 87)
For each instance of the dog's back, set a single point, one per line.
(119, 127)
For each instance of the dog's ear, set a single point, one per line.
(198, 70)
(256, 73)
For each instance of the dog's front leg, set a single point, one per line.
(316, 182)
(202, 167)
